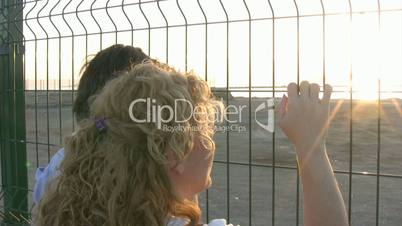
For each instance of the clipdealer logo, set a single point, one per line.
(228, 120)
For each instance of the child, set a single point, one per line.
(95, 74)
(121, 168)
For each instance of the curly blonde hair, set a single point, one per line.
(118, 177)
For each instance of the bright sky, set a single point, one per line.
(375, 52)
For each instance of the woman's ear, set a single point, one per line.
(178, 168)
(174, 165)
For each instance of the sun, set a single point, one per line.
(366, 90)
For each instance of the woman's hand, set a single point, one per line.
(304, 118)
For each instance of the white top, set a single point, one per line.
(176, 221)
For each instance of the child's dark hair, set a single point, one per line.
(102, 68)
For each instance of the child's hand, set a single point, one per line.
(304, 118)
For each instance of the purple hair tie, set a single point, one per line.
(100, 124)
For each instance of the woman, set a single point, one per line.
(122, 168)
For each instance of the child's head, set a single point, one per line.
(100, 69)
(134, 172)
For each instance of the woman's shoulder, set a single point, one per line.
(176, 221)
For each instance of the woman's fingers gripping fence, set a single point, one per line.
(310, 90)
(304, 111)
(327, 94)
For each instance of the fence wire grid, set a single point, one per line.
(248, 51)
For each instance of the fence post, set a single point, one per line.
(12, 113)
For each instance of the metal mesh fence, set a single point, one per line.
(248, 51)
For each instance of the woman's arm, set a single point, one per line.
(323, 203)
(305, 120)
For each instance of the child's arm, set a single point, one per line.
(45, 174)
(305, 120)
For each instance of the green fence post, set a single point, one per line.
(12, 113)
